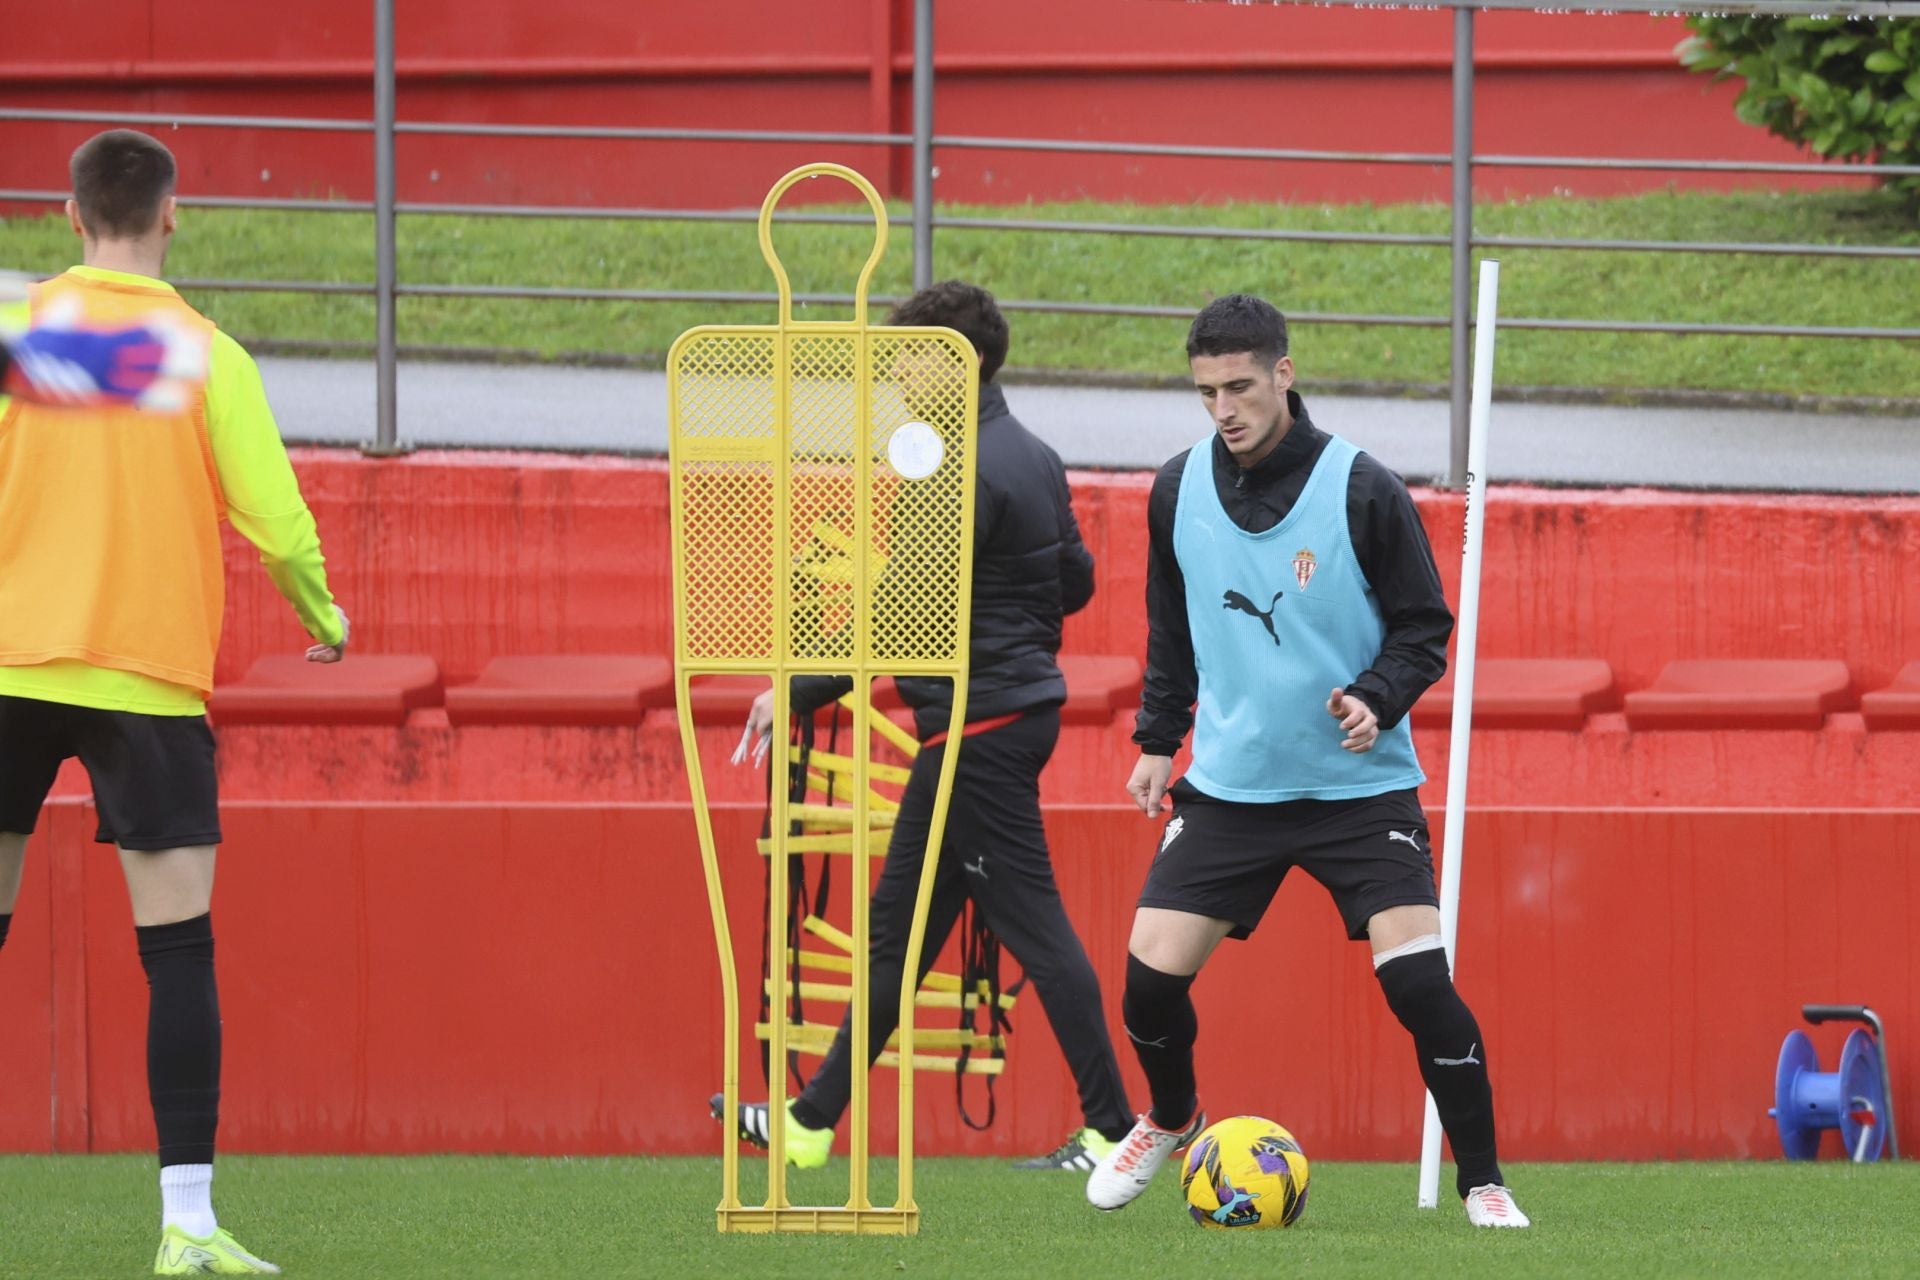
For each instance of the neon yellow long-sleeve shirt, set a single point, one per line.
(263, 503)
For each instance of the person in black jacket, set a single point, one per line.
(1294, 615)
(1030, 569)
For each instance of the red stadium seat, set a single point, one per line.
(724, 699)
(1525, 693)
(1098, 685)
(364, 689)
(1898, 705)
(1742, 693)
(564, 689)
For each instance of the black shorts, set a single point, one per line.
(153, 776)
(1225, 860)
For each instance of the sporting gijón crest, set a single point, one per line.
(1304, 564)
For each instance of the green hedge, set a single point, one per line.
(1846, 88)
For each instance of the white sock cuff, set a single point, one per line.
(186, 1199)
(183, 1176)
(1425, 942)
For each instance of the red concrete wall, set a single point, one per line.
(471, 555)
(406, 914)
(1132, 70)
(27, 1010)
(1839, 764)
(542, 979)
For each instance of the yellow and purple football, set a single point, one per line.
(1245, 1172)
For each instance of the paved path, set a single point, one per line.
(546, 407)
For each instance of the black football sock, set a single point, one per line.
(183, 1038)
(809, 1115)
(6, 922)
(1453, 1059)
(1158, 1009)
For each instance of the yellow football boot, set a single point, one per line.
(217, 1255)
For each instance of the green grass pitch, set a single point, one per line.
(97, 1216)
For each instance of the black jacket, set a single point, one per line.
(1388, 539)
(1030, 569)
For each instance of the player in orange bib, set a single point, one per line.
(111, 594)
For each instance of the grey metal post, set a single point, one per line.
(386, 425)
(1462, 361)
(922, 143)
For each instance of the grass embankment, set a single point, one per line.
(1305, 278)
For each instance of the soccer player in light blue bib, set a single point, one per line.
(1294, 616)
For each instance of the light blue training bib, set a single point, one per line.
(1279, 619)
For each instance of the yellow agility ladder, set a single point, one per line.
(824, 826)
(776, 433)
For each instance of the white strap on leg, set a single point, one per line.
(1425, 942)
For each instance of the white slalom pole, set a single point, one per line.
(1463, 663)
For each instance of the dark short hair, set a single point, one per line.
(967, 308)
(1239, 322)
(119, 179)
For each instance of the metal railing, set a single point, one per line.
(386, 288)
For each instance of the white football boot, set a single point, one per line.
(1124, 1172)
(1493, 1206)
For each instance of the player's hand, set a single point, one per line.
(757, 737)
(1148, 785)
(332, 652)
(1357, 718)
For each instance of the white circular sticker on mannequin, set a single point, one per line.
(915, 450)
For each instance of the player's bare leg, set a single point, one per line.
(13, 856)
(172, 891)
(1177, 942)
(1411, 965)
(167, 886)
(1164, 954)
(1395, 927)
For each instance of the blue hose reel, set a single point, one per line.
(1857, 1099)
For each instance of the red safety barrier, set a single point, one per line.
(541, 979)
